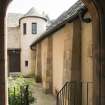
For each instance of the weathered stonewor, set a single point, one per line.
(2, 61)
(3, 7)
(76, 52)
(38, 74)
(49, 72)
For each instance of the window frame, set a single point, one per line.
(24, 28)
(34, 28)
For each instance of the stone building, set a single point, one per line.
(96, 9)
(64, 52)
(22, 30)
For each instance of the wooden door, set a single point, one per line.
(14, 61)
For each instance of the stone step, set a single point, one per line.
(14, 74)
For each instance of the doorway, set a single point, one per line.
(14, 60)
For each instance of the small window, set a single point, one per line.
(24, 28)
(34, 28)
(26, 63)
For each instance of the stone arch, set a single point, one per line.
(95, 9)
(3, 87)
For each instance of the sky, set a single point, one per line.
(51, 7)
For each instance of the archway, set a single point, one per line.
(98, 47)
(3, 89)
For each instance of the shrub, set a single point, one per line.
(17, 86)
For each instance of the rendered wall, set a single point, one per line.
(60, 44)
(44, 47)
(27, 40)
(62, 55)
(13, 37)
(87, 63)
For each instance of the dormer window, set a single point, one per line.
(34, 28)
(24, 28)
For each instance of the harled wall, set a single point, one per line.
(26, 40)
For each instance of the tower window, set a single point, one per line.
(26, 63)
(24, 28)
(34, 28)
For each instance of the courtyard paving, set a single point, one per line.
(41, 97)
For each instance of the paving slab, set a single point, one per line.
(41, 97)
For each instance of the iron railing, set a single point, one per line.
(76, 93)
(20, 98)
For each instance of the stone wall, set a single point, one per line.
(62, 47)
(47, 75)
(38, 71)
(76, 52)
(55, 59)
(27, 40)
(66, 55)
(13, 38)
(87, 63)
(44, 47)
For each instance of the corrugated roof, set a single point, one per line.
(13, 19)
(66, 16)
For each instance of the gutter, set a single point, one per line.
(82, 18)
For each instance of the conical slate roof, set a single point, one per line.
(32, 12)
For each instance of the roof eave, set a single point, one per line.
(59, 26)
(31, 17)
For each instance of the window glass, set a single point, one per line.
(34, 28)
(24, 28)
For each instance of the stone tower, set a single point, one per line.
(32, 25)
